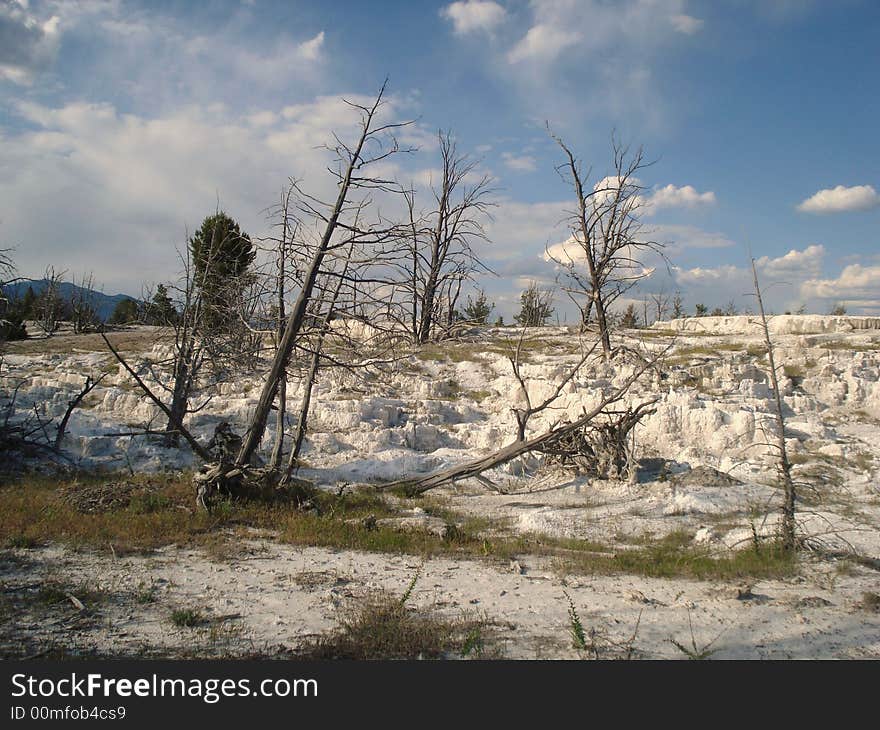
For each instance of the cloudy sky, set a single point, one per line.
(123, 123)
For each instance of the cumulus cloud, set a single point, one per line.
(667, 196)
(28, 43)
(127, 186)
(795, 263)
(841, 199)
(520, 163)
(469, 16)
(543, 43)
(856, 285)
(787, 281)
(670, 196)
(676, 239)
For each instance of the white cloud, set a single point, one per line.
(686, 24)
(795, 263)
(28, 43)
(543, 43)
(841, 199)
(670, 196)
(857, 286)
(474, 15)
(787, 282)
(127, 186)
(520, 163)
(676, 239)
(311, 49)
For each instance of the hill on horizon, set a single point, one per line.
(104, 303)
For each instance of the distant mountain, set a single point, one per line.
(104, 303)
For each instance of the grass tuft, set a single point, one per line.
(382, 627)
(187, 618)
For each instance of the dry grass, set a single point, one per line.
(34, 511)
(382, 626)
(133, 340)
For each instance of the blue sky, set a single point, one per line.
(122, 123)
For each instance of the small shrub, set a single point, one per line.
(576, 628)
(382, 627)
(187, 618)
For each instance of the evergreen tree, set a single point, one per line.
(125, 312)
(161, 311)
(28, 303)
(221, 254)
(535, 307)
(479, 309)
(630, 319)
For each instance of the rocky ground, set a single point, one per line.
(706, 477)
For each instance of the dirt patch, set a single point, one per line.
(134, 340)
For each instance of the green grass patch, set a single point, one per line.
(187, 618)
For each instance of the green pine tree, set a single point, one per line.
(221, 254)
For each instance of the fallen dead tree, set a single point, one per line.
(550, 439)
(601, 450)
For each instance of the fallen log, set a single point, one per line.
(476, 467)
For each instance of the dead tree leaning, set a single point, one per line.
(789, 537)
(367, 150)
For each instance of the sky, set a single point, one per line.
(123, 124)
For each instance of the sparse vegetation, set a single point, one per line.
(187, 618)
(694, 651)
(383, 626)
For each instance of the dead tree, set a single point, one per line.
(174, 418)
(311, 375)
(194, 347)
(601, 448)
(523, 415)
(440, 242)
(288, 233)
(374, 144)
(187, 348)
(476, 467)
(661, 305)
(83, 312)
(50, 306)
(602, 258)
(72, 405)
(789, 536)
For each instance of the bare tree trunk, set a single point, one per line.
(89, 386)
(179, 394)
(315, 362)
(173, 418)
(281, 413)
(294, 324)
(789, 537)
(302, 422)
(257, 428)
